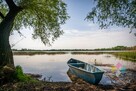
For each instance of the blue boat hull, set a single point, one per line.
(87, 72)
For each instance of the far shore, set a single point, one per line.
(36, 52)
(124, 54)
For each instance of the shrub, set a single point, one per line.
(20, 76)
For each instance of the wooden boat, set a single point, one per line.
(85, 71)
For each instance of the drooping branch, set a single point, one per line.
(2, 16)
(11, 4)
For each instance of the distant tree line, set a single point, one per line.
(118, 48)
(99, 49)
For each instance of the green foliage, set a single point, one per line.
(126, 55)
(62, 50)
(43, 16)
(119, 48)
(20, 76)
(114, 12)
(115, 48)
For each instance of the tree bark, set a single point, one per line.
(6, 55)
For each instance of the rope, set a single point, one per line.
(16, 43)
(19, 40)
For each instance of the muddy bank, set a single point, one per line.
(125, 82)
(79, 85)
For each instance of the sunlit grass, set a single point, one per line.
(36, 53)
(130, 56)
(19, 75)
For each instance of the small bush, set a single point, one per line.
(20, 76)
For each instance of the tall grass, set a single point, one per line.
(88, 53)
(36, 53)
(21, 77)
(131, 56)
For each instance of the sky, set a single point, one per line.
(78, 32)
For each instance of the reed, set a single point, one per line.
(131, 56)
(88, 53)
(36, 53)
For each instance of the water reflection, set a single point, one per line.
(105, 80)
(56, 65)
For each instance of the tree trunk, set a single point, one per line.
(6, 56)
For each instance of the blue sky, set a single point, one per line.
(78, 33)
(78, 10)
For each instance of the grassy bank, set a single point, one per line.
(126, 55)
(23, 82)
(88, 53)
(36, 53)
(131, 56)
(54, 52)
(77, 84)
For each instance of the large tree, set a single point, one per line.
(43, 16)
(114, 12)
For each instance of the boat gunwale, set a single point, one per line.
(84, 69)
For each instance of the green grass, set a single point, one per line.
(20, 76)
(88, 53)
(130, 56)
(13, 75)
(36, 53)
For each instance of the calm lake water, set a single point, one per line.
(56, 65)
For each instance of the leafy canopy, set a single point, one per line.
(43, 16)
(114, 12)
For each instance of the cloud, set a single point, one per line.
(76, 39)
(92, 25)
(94, 39)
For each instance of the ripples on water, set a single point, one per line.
(56, 65)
